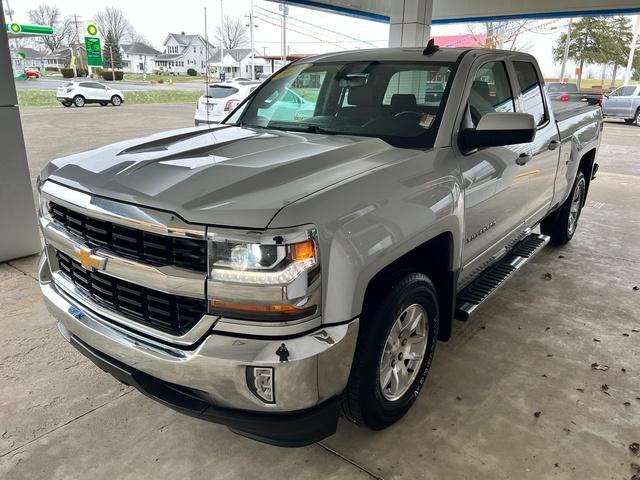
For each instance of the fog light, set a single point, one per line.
(261, 382)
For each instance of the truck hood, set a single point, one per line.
(225, 175)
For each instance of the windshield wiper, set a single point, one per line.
(309, 128)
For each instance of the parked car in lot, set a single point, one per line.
(32, 72)
(220, 99)
(569, 92)
(272, 271)
(623, 103)
(79, 93)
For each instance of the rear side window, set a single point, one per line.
(531, 91)
(490, 92)
(221, 91)
(624, 92)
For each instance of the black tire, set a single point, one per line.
(66, 104)
(104, 104)
(79, 101)
(116, 101)
(558, 225)
(636, 119)
(629, 121)
(363, 401)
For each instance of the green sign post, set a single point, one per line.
(94, 52)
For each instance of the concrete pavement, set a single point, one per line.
(529, 349)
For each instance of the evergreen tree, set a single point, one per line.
(621, 37)
(590, 43)
(111, 43)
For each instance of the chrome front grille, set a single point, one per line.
(170, 313)
(148, 247)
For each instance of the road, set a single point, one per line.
(528, 349)
(52, 84)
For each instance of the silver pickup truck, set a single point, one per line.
(284, 266)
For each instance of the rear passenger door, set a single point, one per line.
(536, 177)
(619, 102)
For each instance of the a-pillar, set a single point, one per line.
(18, 230)
(410, 23)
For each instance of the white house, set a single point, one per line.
(182, 52)
(237, 62)
(138, 57)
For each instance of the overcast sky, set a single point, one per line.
(308, 31)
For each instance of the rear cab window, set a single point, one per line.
(531, 91)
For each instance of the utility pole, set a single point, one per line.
(221, 40)
(253, 57)
(632, 51)
(285, 11)
(113, 71)
(565, 58)
(75, 69)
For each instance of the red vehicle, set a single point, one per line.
(32, 73)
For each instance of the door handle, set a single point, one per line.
(553, 144)
(523, 159)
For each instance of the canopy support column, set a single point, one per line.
(410, 23)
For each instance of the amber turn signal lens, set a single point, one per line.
(303, 250)
(249, 310)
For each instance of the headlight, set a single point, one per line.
(264, 276)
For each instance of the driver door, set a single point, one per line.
(494, 200)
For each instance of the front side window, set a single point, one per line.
(399, 102)
(490, 92)
(531, 91)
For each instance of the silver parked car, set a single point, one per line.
(624, 103)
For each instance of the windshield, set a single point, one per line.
(399, 102)
(220, 91)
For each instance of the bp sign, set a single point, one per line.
(94, 52)
(91, 30)
(15, 28)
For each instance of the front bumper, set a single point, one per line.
(209, 378)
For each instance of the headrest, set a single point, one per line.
(481, 88)
(403, 101)
(359, 96)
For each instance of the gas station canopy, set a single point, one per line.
(452, 11)
(17, 30)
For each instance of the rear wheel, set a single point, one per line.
(116, 101)
(395, 347)
(561, 225)
(79, 101)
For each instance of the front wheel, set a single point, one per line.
(395, 348)
(561, 225)
(78, 101)
(636, 119)
(116, 101)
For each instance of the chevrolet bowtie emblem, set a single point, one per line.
(89, 260)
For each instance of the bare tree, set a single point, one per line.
(232, 33)
(502, 35)
(62, 28)
(113, 22)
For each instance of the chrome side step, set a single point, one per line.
(470, 298)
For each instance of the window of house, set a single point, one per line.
(490, 92)
(531, 91)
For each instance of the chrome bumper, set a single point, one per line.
(317, 370)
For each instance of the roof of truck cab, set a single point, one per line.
(447, 55)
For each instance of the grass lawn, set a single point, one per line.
(47, 98)
(137, 77)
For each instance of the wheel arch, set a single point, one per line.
(434, 258)
(586, 166)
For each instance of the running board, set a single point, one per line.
(472, 296)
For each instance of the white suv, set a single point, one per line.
(221, 99)
(81, 93)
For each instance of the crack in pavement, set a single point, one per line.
(4, 454)
(349, 461)
(22, 271)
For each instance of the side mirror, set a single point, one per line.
(500, 129)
